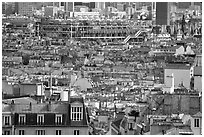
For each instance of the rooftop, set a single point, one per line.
(49, 108)
(178, 66)
(198, 71)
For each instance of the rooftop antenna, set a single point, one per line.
(72, 18)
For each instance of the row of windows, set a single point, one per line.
(40, 119)
(40, 132)
(76, 115)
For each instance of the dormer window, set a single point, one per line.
(76, 113)
(40, 119)
(7, 120)
(22, 119)
(58, 119)
(196, 122)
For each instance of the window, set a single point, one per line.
(21, 132)
(196, 122)
(7, 120)
(58, 119)
(7, 132)
(130, 127)
(22, 119)
(40, 119)
(40, 132)
(76, 132)
(58, 132)
(76, 114)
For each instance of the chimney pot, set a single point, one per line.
(12, 101)
(30, 106)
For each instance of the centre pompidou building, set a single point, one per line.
(106, 31)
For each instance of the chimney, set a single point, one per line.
(172, 83)
(12, 105)
(30, 106)
(69, 92)
(51, 83)
(49, 105)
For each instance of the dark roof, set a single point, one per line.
(51, 108)
(199, 114)
(124, 123)
(76, 99)
(116, 124)
(22, 100)
(178, 66)
(120, 115)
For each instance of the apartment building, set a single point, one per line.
(51, 118)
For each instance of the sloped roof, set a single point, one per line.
(77, 99)
(6, 107)
(22, 100)
(83, 83)
(56, 107)
(6, 88)
(40, 108)
(178, 66)
(199, 114)
(198, 71)
(116, 124)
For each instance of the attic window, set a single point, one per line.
(130, 126)
(76, 113)
(196, 122)
(58, 119)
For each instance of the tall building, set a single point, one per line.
(26, 8)
(9, 8)
(90, 5)
(111, 4)
(16, 7)
(3, 8)
(50, 11)
(56, 4)
(136, 5)
(100, 5)
(68, 6)
(184, 5)
(120, 6)
(162, 13)
(68, 9)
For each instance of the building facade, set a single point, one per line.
(100, 5)
(26, 8)
(181, 74)
(162, 13)
(59, 118)
(50, 11)
(106, 31)
(196, 123)
(68, 6)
